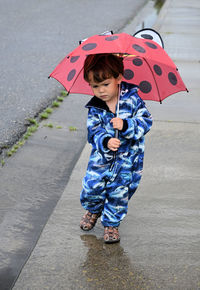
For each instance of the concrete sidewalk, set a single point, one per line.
(160, 237)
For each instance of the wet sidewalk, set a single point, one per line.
(160, 237)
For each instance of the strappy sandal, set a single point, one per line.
(111, 235)
(89, 220)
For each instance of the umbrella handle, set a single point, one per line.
(114, 153)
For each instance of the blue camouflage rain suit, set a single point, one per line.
(110, 182)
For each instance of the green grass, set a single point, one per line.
(72, 128)
(16, 147)
(32, 121)
(2, 162)
(60, 99)
(48, 110)
(50, 125)
(32, 129)
(55, 104)
(9, 153)
(64, 93)
(34, 125)
(26, 136)
(44, 115)
(13, 150)
(21, 143)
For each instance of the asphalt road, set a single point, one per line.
(35, 36)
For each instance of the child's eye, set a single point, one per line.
(106, 84)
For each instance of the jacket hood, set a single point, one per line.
(98, 103)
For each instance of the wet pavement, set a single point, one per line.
(159, 246)
(160, 237)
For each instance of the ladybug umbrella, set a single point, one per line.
(146, 64)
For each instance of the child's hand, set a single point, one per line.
(113, 144)
(117, 123)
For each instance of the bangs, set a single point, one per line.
(102, 67)
(99, 76)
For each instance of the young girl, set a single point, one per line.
(116, 162)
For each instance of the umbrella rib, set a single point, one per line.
(160, 100)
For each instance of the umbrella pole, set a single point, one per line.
(116, 132)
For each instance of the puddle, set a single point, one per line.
(109, 267)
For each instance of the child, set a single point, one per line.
(115, 164)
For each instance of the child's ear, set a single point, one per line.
(119, 79)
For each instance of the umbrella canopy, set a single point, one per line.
(146, 64)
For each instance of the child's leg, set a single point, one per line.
(118, 193)
(93, 194)
(115, 209)
(116, 204)
(136, 177)
(92, 199)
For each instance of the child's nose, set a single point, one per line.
(101, 89)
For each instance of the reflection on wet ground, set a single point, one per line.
(107, 266)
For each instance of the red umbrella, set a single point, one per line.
(146, 64)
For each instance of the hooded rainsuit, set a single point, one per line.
(111, 180)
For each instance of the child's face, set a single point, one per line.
(106, 90)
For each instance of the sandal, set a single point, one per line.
(89, 220)
(111, 235)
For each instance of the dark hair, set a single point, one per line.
(103, 66)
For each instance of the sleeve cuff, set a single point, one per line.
(125, 126)
(105, 142)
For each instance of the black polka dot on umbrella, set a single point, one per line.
(74, 58)
(172, 78)
(147, 36)
(111, 38)
(128, 74)
(139, 48)
(71, 75)
(151, 45)
(137, 61)
(89, 46)
(157, 69)
(145, 87)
